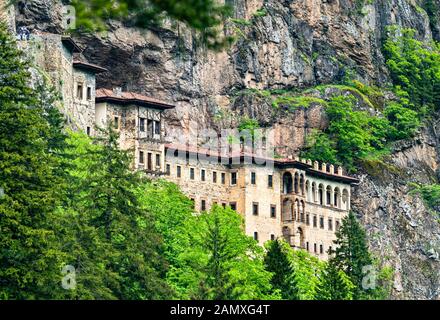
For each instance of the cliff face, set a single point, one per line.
(287, 44)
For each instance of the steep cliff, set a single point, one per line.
(288, 45)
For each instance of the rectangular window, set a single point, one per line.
(255, 208)
(270, 181)
(168, 172)
(203, 205)
(179, 171)
(272, 237)
(307, 246)
(88, 131)
(233, 178)
(330, 250)
(150, 128)
(191, 173)
(337, 224)
(193, 201)
(141, 157)
(150, 161)
(315, 221)
(253, 178)
(203, 175)
(157, 127)
(273, 211)
(158, 164)
(307, 219)
(314, 248)
(321, 222)
(256, 236)
(321, 249)
(116, 122)
(223, 178)
(224, 204)
(79, 91)
(233, 206)
(142, 124)
(89, 93)
(214, 177)
(330, 224)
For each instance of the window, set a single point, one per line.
(256, 236)
(308, 219)
(158, 161)
(150, 128)
(314, 248)
(307, 246)
(79, 91)
(223, 178)
(89, 93)
(330, 224)
(321, 222)
(273, 211)
(168, 172)
(253, 178)
(270, 181)
(315, 222)
(191, 173)
(272, 237)
(193, 202)
(203, 205)
(203, 175)
(214, 177)
(179, 171)
(141, 157)
(142, 124)
(255, 208)
(224, 204)
(233, 178)
(150, 161)
(330, 250)
(157, 127)
(233, 206)
(337, 224)
(321, 249)
(116, 122)
(88, 131)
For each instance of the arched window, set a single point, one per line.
(287, 183)
(302, 211)
(321, 194)
(301, 238)
(314, 192)
(296, 210)
(301, 183)
(345, 200)
(296, 183)
(328, 193)
(337, 196)
(307, 190)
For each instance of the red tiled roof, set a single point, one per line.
(277, 161)
(107, 95)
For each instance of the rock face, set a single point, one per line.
(286, 44)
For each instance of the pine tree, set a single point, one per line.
(352, 254)
(277, 262)
(334, 284)
(108, 197)
(30, 256)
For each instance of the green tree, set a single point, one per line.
(220, 262)
(320, 147)
(334, 284)
(352, 254)
(277, 262)
(116, 223)
(30, 256)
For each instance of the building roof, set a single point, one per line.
(259, 159)
(124, 98)
(88, 66)
(70, 43)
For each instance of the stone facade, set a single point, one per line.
(301, 202)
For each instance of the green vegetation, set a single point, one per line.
(429, 193)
